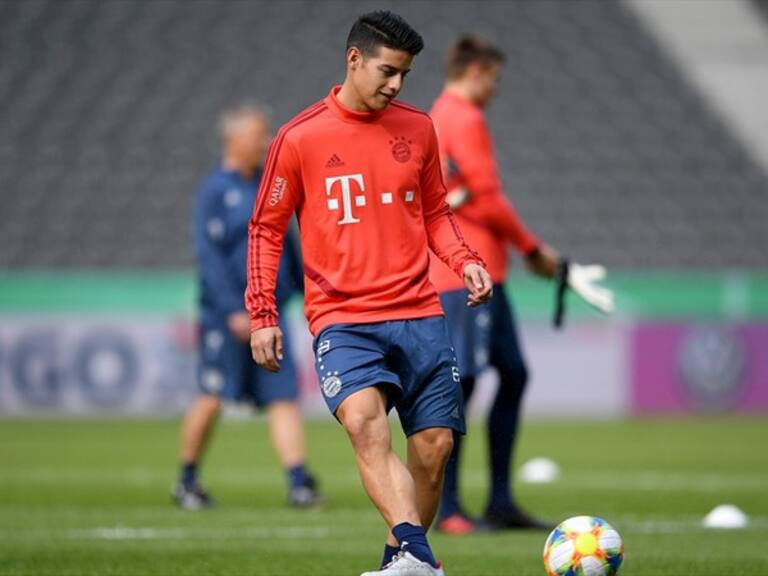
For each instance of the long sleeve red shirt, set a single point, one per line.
(369, 196)
(488, 220)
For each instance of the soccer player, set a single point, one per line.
(222, 210)
(488, 336)
(362, 172)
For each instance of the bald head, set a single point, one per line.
(245, 134)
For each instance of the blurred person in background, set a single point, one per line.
(226, 370)
(487, 336)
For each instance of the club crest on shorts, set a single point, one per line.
(331, 386)
(212, 380)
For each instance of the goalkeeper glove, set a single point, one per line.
(457, 197)
(583, 280)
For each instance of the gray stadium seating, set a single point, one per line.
(107, 112)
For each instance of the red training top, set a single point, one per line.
(368, 193)
(487, 219)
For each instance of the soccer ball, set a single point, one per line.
(583, 546)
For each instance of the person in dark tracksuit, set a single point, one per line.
(226, 370)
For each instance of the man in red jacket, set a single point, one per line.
(361, 171)
(488, 337)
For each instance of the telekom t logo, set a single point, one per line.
(359, 199)
(346, 195)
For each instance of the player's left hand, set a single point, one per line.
(479, 283)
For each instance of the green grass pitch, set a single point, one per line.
(92, 497)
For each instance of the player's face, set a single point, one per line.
(379, 78)
(250, 140)
(485, 82)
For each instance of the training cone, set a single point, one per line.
(726, 516)
(539, 471)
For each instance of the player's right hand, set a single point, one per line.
(267, 347)
(543, 261)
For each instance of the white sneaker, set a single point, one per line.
(406, 564)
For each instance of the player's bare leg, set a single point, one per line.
(195, 433)
(387, 481)
(385, 478)
(286, 430)
(428, 452)
(286, 427)
(197, 427)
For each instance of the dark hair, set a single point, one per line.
(467, 50)
(383, 28)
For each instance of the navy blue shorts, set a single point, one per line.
(484, 335)
(226, 368)
(412, 359)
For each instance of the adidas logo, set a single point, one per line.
(334, 162)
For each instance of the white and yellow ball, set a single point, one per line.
(583, 546)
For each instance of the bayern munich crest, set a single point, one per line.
(401, 150)
(331, 386)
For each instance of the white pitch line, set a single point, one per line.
(147, 477)
(133, 476)
(608, 481)
(627, 525)
(672, 482)
(648, 481)
(677, 525)
(146, 533)
(255, 533)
